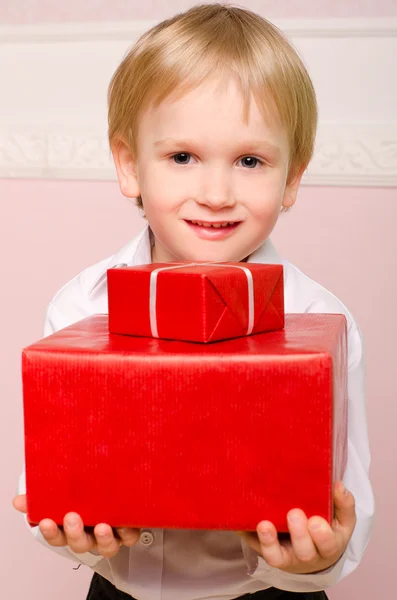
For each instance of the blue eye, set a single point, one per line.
(251, 161)
(183, 156)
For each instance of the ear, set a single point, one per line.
(291, 188)
(126, 168)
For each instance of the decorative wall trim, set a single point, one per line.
(339, 160)
(55, 77)
(364, 155)
(122, 31)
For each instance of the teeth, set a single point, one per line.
(216, 225)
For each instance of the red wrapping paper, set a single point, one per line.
(196, 303)
(152, 433)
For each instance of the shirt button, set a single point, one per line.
(147, 538)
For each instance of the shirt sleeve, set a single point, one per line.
(53, 322)
(356, 480)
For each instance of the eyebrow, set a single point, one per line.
(255, 145)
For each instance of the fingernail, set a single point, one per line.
(72, 521)
(46, 530)
(293, 518)
(316, 525)
(265, 535)
(101, 534)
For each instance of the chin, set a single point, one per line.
(212, 257)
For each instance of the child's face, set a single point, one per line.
(198, 162)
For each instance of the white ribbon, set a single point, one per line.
(153, 293)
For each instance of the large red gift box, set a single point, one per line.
(144, 432)
(197, 302)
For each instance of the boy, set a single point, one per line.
(212, 120)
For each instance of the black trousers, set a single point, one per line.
(102, 589)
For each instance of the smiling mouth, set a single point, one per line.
(216, 225)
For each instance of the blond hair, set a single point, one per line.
(178, 54)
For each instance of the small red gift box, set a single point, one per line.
(153, 433)
(196, 302)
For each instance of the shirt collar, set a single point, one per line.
(138, 252)
(266, 254)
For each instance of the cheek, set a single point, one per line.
(161, 192)
(264, 195)
(157, 197)
(266, 206)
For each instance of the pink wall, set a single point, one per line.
(42, 11)
(344, 238)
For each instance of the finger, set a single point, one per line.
(128, 536)
(19, 502)
(77, 539)
(345, 510)
(51, 533)
(324, 537)
(107, 544)
(272, 551)
(301, 540)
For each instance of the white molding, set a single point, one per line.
(123, 30)
(343, 156)
(53, 115)
(354, 155)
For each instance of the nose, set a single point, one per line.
(216, 189)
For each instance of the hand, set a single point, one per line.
(313, 545)
(103, 540)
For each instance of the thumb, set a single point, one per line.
(19, 502)
(345, 512)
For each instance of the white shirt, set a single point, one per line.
(191, 565)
